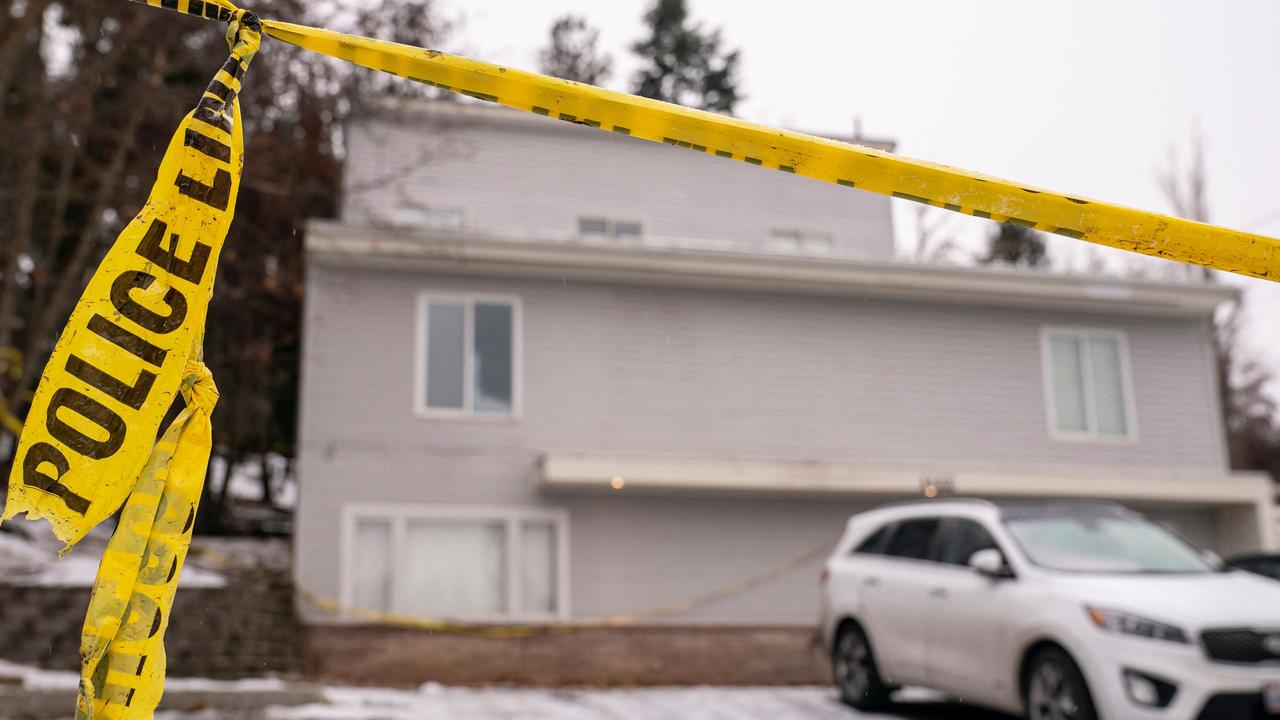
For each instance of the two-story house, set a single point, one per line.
(553, 375)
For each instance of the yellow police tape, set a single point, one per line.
(122, 649)
(822, 159)
(134, 340)
(123, 353)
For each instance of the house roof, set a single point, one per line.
(464, 109)
(469, 253)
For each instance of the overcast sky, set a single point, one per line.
(1085, 97)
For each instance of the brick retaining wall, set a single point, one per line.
(246, 628)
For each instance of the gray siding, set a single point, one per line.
(534, 177)
(665, 370)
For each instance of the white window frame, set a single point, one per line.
(420, 355)
(1091, 433)
(799, 241)
(399, 515)
(463, 218)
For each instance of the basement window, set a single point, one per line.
(456, 562)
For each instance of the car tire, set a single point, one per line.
(854, 665)
(1055, 689)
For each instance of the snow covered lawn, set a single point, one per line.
(434, 702)
(437, 702)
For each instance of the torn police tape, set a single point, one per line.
(133, 342)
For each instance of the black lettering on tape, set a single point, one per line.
(220, 91)
(232, 66)
(148, 319)
(91, 410)
(127, 340)
(131, 395)
(190, 269)
(215, 149)
(209, 111)
(215, 196)
(39, 454)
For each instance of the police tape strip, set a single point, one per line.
(122, 646)
(134, 340)
(818, 158)
(122, 356)
(531, 630)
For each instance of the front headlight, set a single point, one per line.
(1130, 624)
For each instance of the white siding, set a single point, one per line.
(534, 177)
(665, 370)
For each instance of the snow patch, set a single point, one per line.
(435, 702)
(29, 557)
(32, 678)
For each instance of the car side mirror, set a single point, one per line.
(990, 562)
(1214, 559)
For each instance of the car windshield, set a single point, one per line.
(1103, 543)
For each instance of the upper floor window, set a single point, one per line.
(468, 356)
(1087, 384)
(412, 216)
(591, 227)
(791, 240)
(456, 561)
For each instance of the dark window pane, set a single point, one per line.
(446, 345)
(627, 230)
(592, 226)
(875, 543)
(493, 361)
(913, 539)
(961, 539)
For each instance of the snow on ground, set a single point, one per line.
(435, 702)
(246, 479)
(33, 678)
(29, 557)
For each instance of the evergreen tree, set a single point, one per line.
(683, 63)
(572, 54)
(1016, 245)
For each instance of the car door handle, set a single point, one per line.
(871, 581)
(938, 592)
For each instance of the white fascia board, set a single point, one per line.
(479, 255)
(647, 474)
(470, 112)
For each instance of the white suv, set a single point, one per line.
(1057, 610)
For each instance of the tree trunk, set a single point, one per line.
(28, 182)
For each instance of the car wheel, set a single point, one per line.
(856, 675)
(1056, 690)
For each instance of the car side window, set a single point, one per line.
(961, 538)
(874, 544)
(913, 539)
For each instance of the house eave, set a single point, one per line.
(465, 253)
(668, 474)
